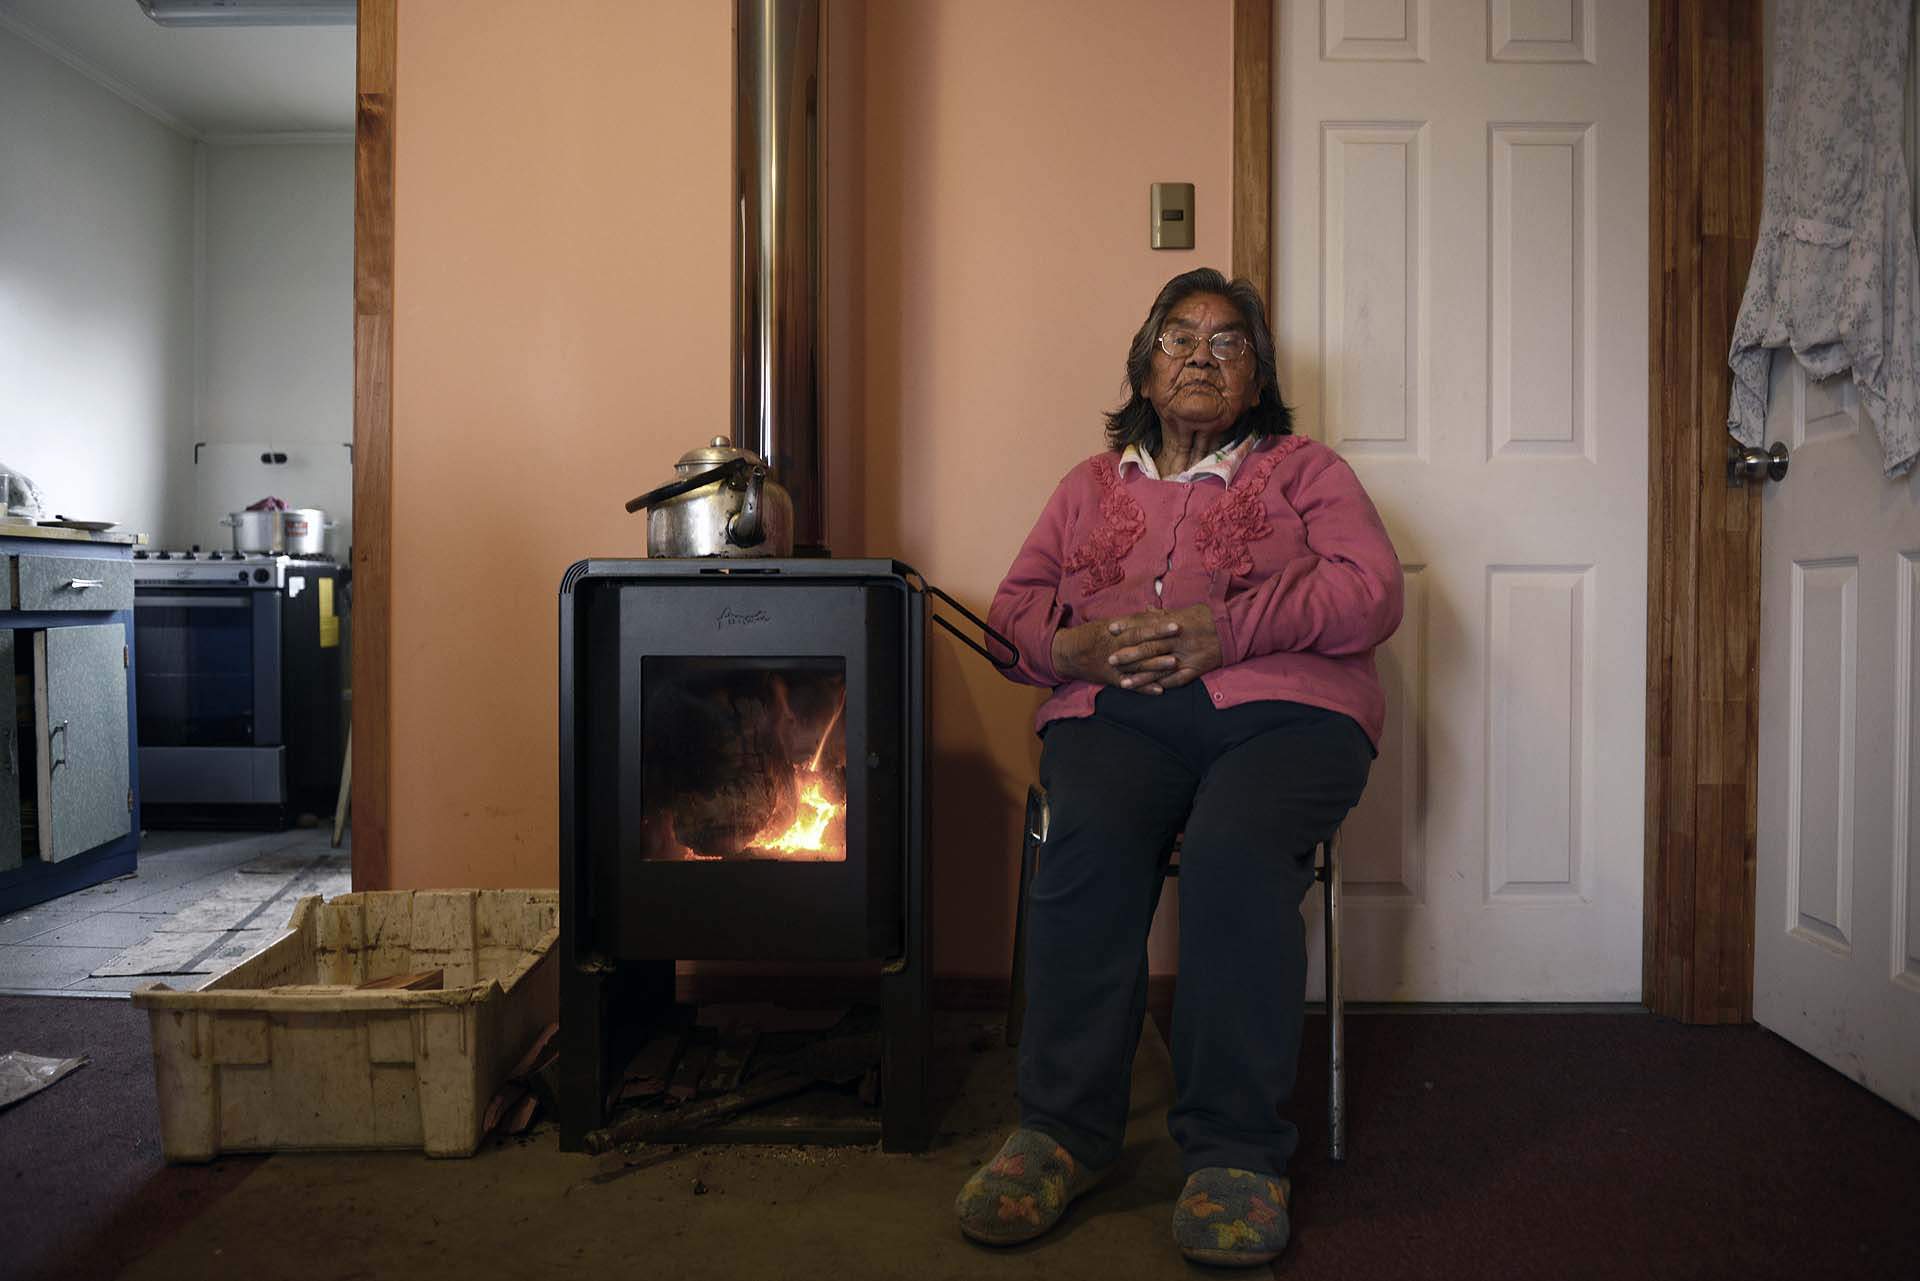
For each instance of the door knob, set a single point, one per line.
(1756, 465)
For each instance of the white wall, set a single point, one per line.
(96, 297)
(276, 356)
(279, 293)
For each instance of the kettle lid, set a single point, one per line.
(716, 451)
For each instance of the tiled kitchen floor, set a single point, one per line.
(198, 902)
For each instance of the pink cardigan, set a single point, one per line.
(1291, 558)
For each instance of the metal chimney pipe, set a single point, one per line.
(776, 276)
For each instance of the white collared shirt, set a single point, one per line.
(1220, 464)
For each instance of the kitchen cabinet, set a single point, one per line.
(69, 772)
(10, 833)
(85, 798)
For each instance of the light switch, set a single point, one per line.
(1173, 215)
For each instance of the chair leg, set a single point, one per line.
(1032, 838)
(1336, 1010)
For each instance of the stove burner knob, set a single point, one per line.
(259, 575)
(243, 575)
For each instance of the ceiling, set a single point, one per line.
(207, 82)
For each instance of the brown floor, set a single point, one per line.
(1483, 1145)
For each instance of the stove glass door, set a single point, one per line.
(746, 758)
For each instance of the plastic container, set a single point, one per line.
(286, 1052)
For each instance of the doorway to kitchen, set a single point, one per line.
(180, 372)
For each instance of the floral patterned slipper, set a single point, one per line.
(1021, 1192)
(1232, 1218)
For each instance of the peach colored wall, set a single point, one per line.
(561, 336)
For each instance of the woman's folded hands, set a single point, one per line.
(1149, 652)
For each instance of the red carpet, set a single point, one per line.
(1598, 1146)
(1538, 1146)
(81, 1180)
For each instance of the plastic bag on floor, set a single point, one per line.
(25, 1074)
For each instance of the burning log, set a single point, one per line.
(723, 763)
(735, 771)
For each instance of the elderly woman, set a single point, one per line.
(1204, 598)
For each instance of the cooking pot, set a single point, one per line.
(304, 531)
(259, 532)
(722, 504)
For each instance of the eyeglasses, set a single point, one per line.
(1228, 344)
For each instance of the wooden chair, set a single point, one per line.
(1327, 872)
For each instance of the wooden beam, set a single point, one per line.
(1703, 546)
(372, 439)
(1253, 143)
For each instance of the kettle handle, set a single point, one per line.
(745, 528)
(686, 484)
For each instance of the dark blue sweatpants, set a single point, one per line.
(1255, 788)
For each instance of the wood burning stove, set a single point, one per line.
(743, 739)
(742, 757)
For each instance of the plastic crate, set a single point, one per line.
(284, 1052)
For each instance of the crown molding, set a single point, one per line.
(117, 88)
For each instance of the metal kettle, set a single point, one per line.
(722, 504)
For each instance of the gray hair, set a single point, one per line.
(1137, 423)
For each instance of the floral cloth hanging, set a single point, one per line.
(1834, 267)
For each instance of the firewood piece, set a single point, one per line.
(839, 1060)
(545, 1083)
(639, 1091)
(729, 1062)
(537, 1054)
(522, 1116)
(765, 1088)
(652, 1068)
(424, 981)
(510, 1096)
(693, 1066)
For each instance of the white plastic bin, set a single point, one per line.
(283, 1052)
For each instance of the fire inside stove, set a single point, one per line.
(744, 759)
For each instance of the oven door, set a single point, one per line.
(209, 671)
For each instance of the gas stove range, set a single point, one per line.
(239, 687)
(223, 569)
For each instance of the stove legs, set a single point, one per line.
(906, 1050)
(605, 1012)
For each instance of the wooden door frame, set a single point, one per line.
(373, 440)
(1703, 536)
(1703, 589)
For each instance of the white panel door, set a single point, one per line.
(1837, 926)
(1836, 953)
(1461, 305)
